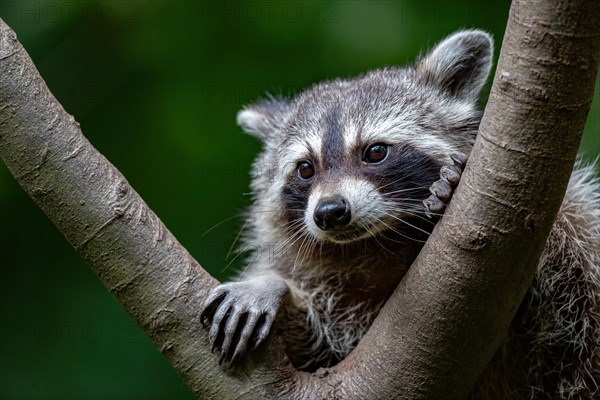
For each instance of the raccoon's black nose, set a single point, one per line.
(332, 213)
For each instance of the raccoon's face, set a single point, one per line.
(351, 191)
(355, 158)
(345, 187)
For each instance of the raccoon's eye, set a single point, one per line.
(375, 153)
(305, 170)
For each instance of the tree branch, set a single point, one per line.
(459, 297)
(111, 227)
(451, 311)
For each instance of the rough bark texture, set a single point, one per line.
(111, 227)
(449, 314)
(542, 92)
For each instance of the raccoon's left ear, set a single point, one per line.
(459, 64)
(265, 117)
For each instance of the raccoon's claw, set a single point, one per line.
(240, 315)
(442, 189)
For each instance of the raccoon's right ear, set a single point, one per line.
(459, 64)
(264, 117)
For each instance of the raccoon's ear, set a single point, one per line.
(264, 117)
(459, 64)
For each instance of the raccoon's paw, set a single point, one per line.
(240, 315)
(442, 189)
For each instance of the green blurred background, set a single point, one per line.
(156, 86)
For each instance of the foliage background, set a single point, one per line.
(156, 86)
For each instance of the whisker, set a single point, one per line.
(232, 260)
(417, 210)
(406, 190)
(408, 223)
(398, 232)
(374, 236)
(288, 243)
(298, 254)
(235, 240)
(221, 223)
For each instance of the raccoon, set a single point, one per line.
(352, 177)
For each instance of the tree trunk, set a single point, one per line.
(451, 311)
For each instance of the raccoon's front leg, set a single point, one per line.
(240, 314)
(442, 189)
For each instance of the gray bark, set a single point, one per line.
(449, 314)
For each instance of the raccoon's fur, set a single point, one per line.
(338, 217)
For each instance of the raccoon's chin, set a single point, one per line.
(349, 235)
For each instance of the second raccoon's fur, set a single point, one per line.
(338, 218)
